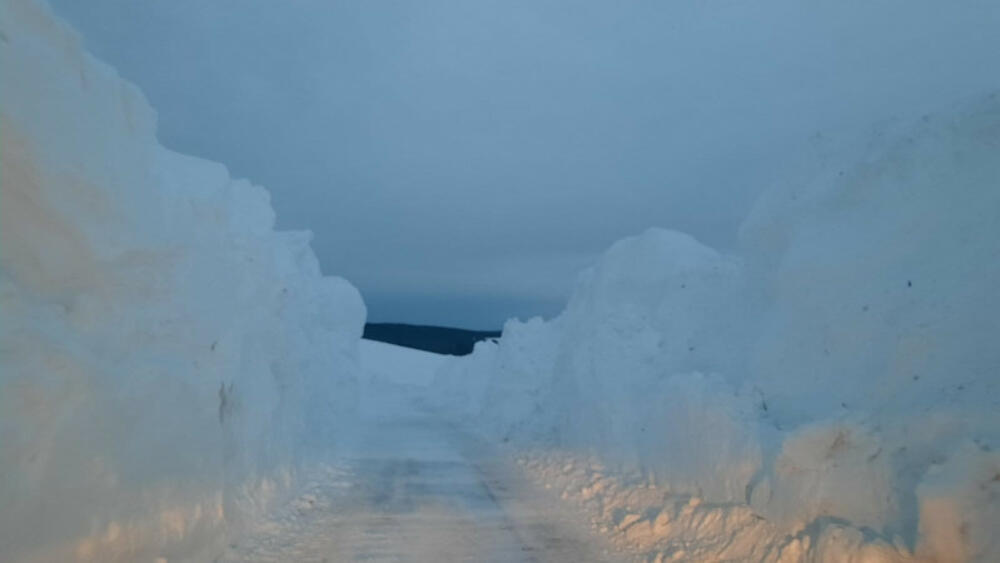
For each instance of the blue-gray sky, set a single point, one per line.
(460, 161)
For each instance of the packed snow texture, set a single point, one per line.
(389, 363)
(162, 348)
(839, 372)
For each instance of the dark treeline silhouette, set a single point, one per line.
(438, 339)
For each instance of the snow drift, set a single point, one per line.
(839, 373)
(163, 350)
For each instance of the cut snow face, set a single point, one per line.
(837, 378)
(163, 351)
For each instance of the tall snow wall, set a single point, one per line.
(841, 369)
(166, 356)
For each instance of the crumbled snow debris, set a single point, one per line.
(650, 524)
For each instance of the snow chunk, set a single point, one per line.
(828, 470)
(960, 507)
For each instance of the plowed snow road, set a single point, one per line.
(409, 487)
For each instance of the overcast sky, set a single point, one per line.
(459, 161)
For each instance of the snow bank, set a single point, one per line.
(391, 376)
(838, 377)
(164, 353)
(399, 364)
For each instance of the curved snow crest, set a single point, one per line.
(163, 352)
(838, 377)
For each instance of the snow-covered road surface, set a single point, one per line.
(406, 486)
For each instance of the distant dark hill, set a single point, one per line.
(438, 339)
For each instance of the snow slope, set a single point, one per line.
(399, 364)
(164, 353)
(837, 378)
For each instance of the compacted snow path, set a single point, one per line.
(414, 489)
(407, 486)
